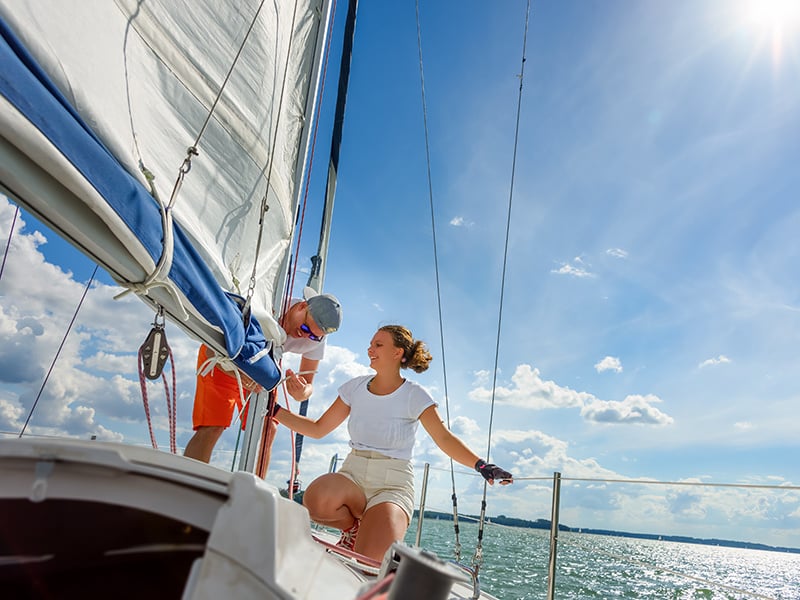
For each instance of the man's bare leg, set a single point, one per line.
(202, 443)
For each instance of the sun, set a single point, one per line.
(776, 15)
(776, 23)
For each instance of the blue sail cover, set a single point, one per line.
(27, 88)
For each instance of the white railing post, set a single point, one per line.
(423, 496)
(551, 568)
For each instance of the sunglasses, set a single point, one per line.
(314, 338)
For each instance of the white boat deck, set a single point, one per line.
(92, 519)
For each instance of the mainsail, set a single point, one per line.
(166, 139)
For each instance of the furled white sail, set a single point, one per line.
(99, 103)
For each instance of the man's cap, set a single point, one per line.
(324, 309)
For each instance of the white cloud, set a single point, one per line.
(342, 364)
(530, 391)
(573, 270)
(465, 427)
(78, 399)
(634, 409)
(11, 416)
(609, 363)
(112, 363)
(617, 253)
(482, 377)
(460, 222)
(721, 359)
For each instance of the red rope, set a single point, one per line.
(379, 587)
(293, 471)
(143, 386)
(173, 412)
(172, 405)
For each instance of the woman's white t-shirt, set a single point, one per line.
(386, 424)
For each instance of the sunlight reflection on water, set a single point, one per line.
(592, 566)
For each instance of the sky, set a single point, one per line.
(635, 289)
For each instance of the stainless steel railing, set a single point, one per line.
(555, 526)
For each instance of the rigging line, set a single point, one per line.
(316, 277)
(270, 164)
(302, 215)
(8, 243)
(508, 229)
(287, 290)
(478, 558)
(165, 260)
(457, 547)
(60, 347)
(192, 150)
(145, 171)
(229, 73)
(236, 449)
(687, 483)
(433, 216)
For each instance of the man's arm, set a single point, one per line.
(299, 386)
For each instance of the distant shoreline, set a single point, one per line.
(545, 524)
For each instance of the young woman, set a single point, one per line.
(372, 495)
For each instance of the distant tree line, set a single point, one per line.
(545, 524)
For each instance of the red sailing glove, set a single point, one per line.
(491, 472)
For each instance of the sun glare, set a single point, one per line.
(772, 14)
(775, 22)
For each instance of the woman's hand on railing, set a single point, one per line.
(490, 472)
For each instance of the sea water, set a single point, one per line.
(515, 565)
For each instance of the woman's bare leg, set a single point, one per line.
(381, 526)
(335, 501)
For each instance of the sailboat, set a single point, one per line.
(167, 140)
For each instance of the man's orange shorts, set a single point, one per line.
(215, 396)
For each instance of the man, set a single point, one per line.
(306, 323)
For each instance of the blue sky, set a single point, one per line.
(651, 308)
